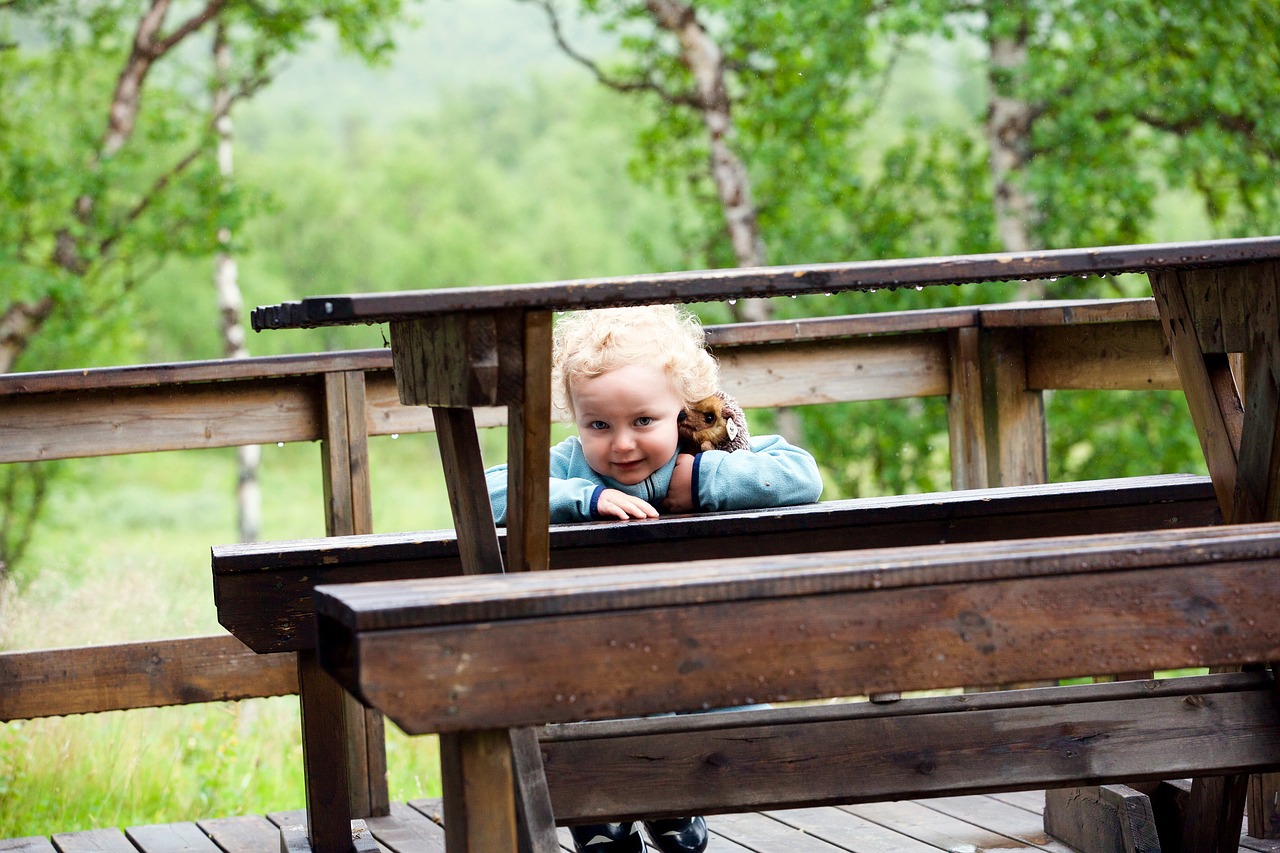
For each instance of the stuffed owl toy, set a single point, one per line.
(715, 423)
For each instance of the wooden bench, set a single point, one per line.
(459, 349)
(263, 590)
(497, 653)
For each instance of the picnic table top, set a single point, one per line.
(758, 282)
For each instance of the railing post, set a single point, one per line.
(344, 749)
(1013, 413)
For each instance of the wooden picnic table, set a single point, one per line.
(457, 349)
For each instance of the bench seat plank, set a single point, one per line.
(450, 653)
(263, 590)
(916, 748)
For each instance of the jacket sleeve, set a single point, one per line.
(772, 473)
(572, 498)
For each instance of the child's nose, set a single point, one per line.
(624, 440)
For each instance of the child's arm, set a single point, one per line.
(772, 473)
(573, 497)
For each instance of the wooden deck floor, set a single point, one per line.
(1004, 822)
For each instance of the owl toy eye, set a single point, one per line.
(682, 417)
(709, 418)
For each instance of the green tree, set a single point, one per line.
(106, 147)
(1081, 127)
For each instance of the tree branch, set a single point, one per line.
(246, 89)
(648, 84)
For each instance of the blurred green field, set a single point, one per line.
(122, 554)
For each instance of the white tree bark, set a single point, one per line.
(1008, 128)
(703, 57)
(230, 303)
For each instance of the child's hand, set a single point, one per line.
(680, 491)
(616, 504)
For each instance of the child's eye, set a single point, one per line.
(597, 425)
(644, 422)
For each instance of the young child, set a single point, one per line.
(625, 375)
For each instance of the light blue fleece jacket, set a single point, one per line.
(773, 473)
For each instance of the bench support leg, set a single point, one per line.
(1210, 318)
(325, 757)
(495, 795)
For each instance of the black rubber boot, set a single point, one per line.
(679, 835)
(608, 838)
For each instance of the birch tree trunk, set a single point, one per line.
(230, 303)
(701, 54)
(1008, 128)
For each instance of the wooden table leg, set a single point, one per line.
(495, 793)
(528, 451)
(1209, 317)
(453, 364)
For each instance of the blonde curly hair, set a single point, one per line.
(588, 344)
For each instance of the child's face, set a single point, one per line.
(627, 421)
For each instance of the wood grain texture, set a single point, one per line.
(836, 371)
(896, 620)
(148, 674)
(528, 454)
(917, 748)
(326, 755)
(263, 591)
(135, 420)
(718, 285)
(1113, 357)
(1013, 413)
(171, 838)
(965, 413)
(1203, 383)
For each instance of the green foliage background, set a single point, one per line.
(478, 154)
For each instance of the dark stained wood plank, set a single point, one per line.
(718, 285)
(244, 834)
(479, 549)
(326, 757)
(608, 590)
(1030, 594)
(1215, 814)
(1204, 383)
(93, 841)
(916, 748)
(263, 591)
(171, 838)
(145, 674)
(528, 440)
(478, 781)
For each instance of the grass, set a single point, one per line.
(122, 554)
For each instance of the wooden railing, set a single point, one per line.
(991, 362)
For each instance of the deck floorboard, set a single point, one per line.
(1005, 822)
